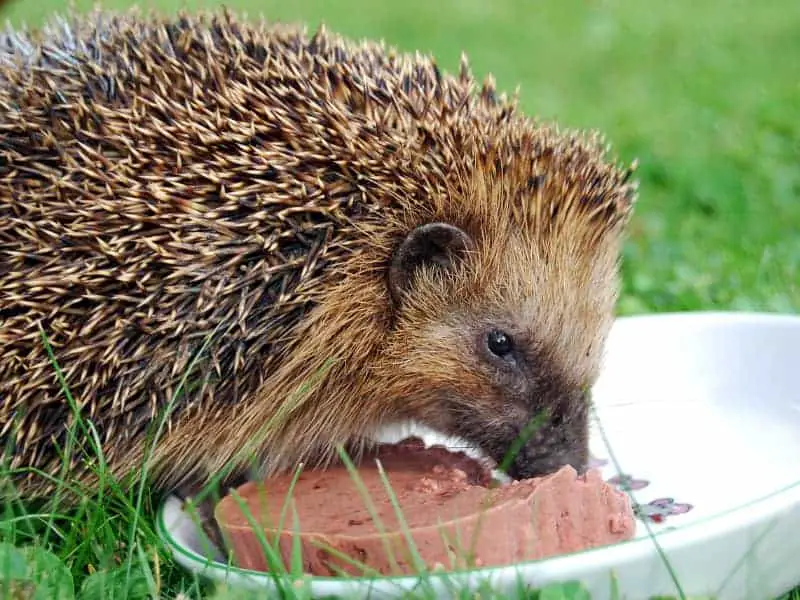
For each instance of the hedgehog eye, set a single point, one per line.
(499, 343)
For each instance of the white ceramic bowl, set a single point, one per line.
(701, 413)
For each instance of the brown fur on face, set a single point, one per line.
(170, 182)
(554, 293)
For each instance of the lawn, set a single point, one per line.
(705, 94)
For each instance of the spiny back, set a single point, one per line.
(164, 178)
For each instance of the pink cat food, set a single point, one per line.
(453, 514)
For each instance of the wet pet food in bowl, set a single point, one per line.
(448, 506)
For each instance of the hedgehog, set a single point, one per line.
(237, 246)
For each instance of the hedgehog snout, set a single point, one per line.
(553, 440)
(537, 464)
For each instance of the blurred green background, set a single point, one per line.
(706, 94)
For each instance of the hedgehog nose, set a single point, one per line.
(560, 441)
(528, 467)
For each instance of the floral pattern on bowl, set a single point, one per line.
(655, 511)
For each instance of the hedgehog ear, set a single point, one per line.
(438, 244)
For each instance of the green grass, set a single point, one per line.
(705, 94)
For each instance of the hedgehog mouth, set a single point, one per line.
(395, 432)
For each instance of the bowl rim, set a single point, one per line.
(743, 516)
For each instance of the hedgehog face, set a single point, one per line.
(501, 348)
